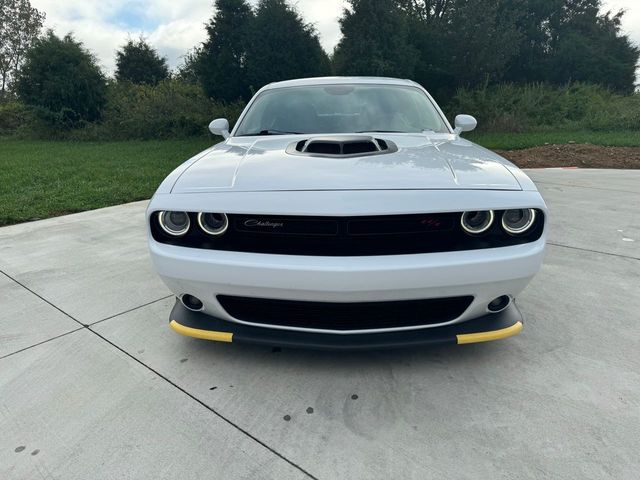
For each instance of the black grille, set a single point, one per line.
(345, 316)
(348, 236)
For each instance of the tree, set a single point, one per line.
(221, 64)
(61, 79)
(476, 42)
(283, 46)
(587, 46)
(461, 42)
(375, 40)
(187, 71)
(20, 25)
(528, 65)
(482, 39)
(570, 40)
(138, 62)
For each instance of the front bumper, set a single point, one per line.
(486, 328)
(483, 274)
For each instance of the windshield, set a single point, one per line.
(341, 109)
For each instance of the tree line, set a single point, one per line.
(444, 45)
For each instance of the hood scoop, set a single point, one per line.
(342, 146)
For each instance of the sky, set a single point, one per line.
(175, 26)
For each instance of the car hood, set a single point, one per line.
(422, 162)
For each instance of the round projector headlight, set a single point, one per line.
(476, 222)
(213, 223)
(175, 224)
(516, 222)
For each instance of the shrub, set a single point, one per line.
(170, 109)
(139, 62)
(174, 109)
(15, 118)
(516, 108)
(62, 82)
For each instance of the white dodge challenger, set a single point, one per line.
(346, 213)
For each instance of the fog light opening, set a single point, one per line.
(498, 304)
(191, 303)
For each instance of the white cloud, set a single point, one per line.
(174, 27)
(175, 38)
(324, 15)
(631, 19)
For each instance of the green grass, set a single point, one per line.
(40, 179)
(517, 141)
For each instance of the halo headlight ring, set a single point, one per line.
(202, 223)
(173, 230)
(522, 229)
(486, 225)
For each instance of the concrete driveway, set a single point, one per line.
(94, 385)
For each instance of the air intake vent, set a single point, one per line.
(326, 148)
(359, 147)
(342, 146)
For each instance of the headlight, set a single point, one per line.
(213, 223)
(175, 224)
(516, 222)
(476, 222)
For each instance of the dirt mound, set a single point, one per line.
(574, 155)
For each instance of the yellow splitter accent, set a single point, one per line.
(203, 334)
(514, 329)
(465, 338)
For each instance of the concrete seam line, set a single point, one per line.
(219, 415)
(211, 409)
(131, 310)
(593, 251)
(74, 319)
(42, 298)
(43, 342)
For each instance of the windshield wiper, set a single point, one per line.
(270, 132)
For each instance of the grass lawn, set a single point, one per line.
(40, 179)
(517, 141)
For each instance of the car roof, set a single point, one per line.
(299, 82)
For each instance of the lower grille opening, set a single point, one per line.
(345, 316)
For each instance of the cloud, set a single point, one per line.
(324, 15)
(176, 38)
(631, 19)
(174, 27)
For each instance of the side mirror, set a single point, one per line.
(464, 123)
(220, 126)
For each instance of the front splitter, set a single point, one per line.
(483, 329)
